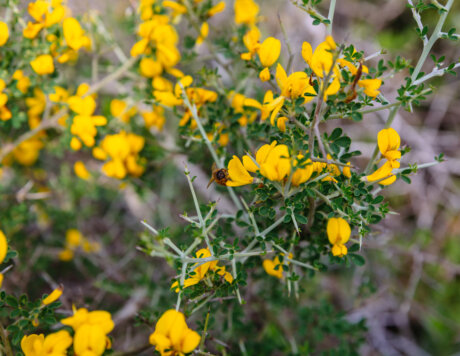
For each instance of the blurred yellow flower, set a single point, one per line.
(74, 35)
(55, 344)
(43, 64)
(81, 171)
(275, 267)
(82, 317)
(55, 295)
(246, 12)
(219, 7)
(4, 33)
(23, 82)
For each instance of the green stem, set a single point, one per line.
(198, 211)
(330, 16)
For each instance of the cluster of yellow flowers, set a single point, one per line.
(122, 152)
(388, 141)
(84, 123)
(121, 110)
(90, 334)
(74, 240)
(47, 14)
(172, 336)
(200, 271)
(275, 163)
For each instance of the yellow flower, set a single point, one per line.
(3, 246)
(370, 86)
(82, 317)
(73, 238)
(90, 340)
(66, 255)
(251, 41)
(389, 142)
(275, 267)
(31, 30)
(5, 113)
(177, 9)
(347, 171)
(238, 174)
(55, 344)
(219, 7)
(303, 172)
(246, 12)
(119, 109)
(23, 82)
(273, 162)
(172, 336)
(338, 233)
(385, 171)
(43, 64)
(269, 51)
(28, 151)
(200, 272)
(321, 60)
(150, 68)
(81, 171)
(154, 118)
(204, 31)
(4, 33)
(295, 85)
(74, 35)
(60, 95)
(55, 295)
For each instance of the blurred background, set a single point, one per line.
(409, 289)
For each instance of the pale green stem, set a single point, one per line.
(198, 211)
(238, 294)
(330, 16)
(368, 111)
(421, 166)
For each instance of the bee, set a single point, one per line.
(219, 175)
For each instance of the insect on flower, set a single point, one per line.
(219, 175)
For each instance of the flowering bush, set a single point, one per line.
(94, 136)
